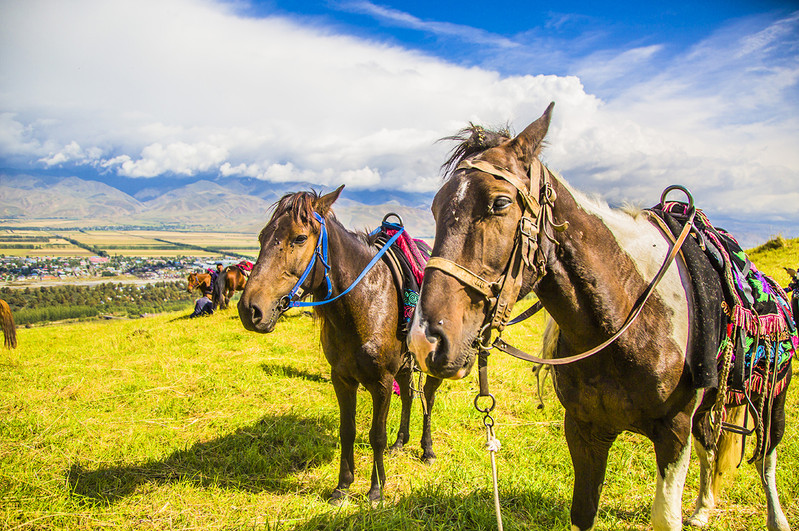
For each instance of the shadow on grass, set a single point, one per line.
(273, 369)
(255, 458)
(442, 507)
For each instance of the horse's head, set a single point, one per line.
(192, 282)
(478, 212)
(288, 246)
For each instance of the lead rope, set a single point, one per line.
(492, 443)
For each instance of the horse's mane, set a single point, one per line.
(472, 140)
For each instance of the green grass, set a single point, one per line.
(172, 423)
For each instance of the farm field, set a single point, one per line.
(175, 423)
(142, 243)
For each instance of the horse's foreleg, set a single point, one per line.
(381, 399)
(673, 453)
(431, 385)
(346, 396)
(588, 447)
(403, 378)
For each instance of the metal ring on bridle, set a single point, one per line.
(486, 410)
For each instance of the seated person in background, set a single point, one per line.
(203, 305)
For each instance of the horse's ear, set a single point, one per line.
(529, 142)
(790, 271)
(322, 205)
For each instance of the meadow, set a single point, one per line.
(175, 423)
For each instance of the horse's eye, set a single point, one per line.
(501, 203)
(299, 240)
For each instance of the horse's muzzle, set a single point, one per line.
(431, 347)
(254, 319)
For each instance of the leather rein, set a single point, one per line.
(533, 226)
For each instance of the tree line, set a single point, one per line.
(55, 303)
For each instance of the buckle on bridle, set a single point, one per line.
(528, 227)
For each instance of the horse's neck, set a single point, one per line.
(591, 279)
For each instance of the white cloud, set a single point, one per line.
(145, 87)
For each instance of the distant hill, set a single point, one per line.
(239, 205)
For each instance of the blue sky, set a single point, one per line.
(647, 94)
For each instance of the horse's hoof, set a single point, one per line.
(375, 497)
(339, 498)
(396, 447)
(540, 406)
(697, 521)
(428, 458)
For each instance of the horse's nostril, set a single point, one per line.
(256, 314)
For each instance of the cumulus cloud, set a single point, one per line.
(151, 87)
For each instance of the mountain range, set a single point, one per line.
(221, 203)
(232, 204)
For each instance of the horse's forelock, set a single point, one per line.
(472, 140)
(299, 205)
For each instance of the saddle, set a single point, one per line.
(756, 320)
(406, 258)
(245, 266)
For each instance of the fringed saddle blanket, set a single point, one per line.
(406, 259)
(761, 334)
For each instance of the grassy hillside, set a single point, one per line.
(774, 255)
(171, 423)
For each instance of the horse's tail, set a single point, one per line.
(728, 450)
(219, 290)
(9, 329)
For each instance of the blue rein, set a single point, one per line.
(321, 253)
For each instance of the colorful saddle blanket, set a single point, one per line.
(245, 266)
(760, 323)
(406, 259)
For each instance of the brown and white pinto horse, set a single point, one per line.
(361, 332)
(588, 278)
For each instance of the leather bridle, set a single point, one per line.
(536, 218)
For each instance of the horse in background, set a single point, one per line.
(199, 281)
(362, 326)
(505, 220)
(232, 279)
(9, 329)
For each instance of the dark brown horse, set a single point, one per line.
(588, 264)
(229, 281)
(199, 281)
(7, 321)
(361, 331)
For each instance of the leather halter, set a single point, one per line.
(501, 295)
